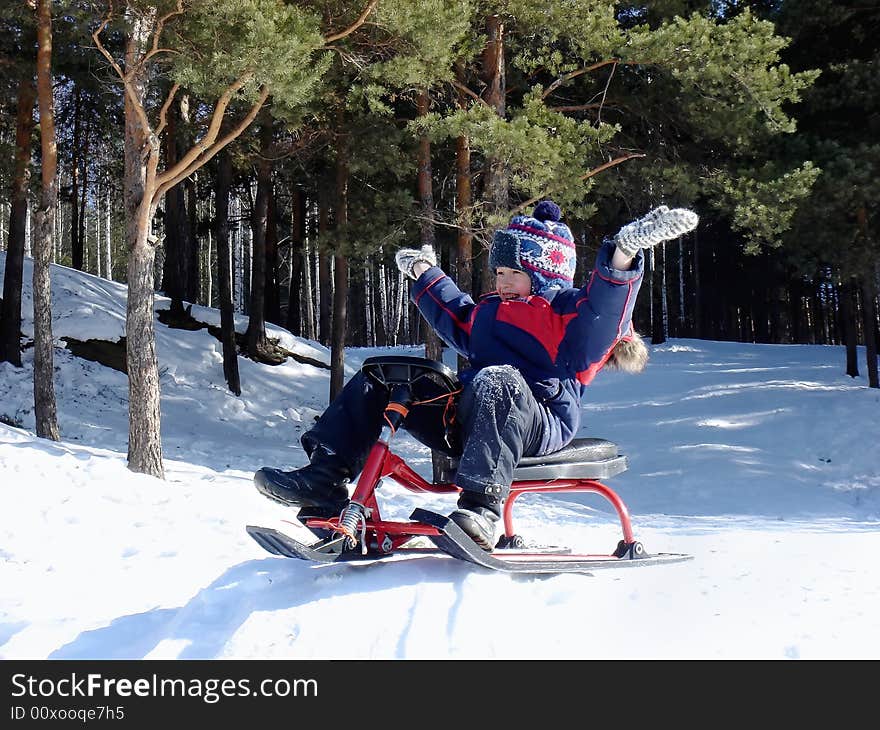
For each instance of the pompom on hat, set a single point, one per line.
(539, 244)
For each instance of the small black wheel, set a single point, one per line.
(630, 550)
(515, 542)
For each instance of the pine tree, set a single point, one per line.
(18, 38)
(839, 128)
(45, 410)
(264, 48)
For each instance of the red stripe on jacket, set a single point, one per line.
(536, 317)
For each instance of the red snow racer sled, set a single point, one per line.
(359, 532)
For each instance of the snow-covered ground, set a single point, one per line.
(762, 461)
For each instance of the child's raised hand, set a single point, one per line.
(407, 258)
(661, 224)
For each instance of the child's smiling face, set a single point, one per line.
(512, 283)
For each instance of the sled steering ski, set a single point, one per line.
(360, 534)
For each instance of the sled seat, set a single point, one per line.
(587, 458)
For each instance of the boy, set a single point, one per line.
(534, 345)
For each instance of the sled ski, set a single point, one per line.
(453, 541)
(327, 550)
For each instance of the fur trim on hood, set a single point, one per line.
(629, 355)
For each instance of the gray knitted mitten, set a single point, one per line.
(661, 224)
(406, 258)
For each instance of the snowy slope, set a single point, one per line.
(760, 460)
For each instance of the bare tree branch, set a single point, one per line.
(124, 77)
(354, 26)
(205, 153)
(611, 163)
(202, 145)
(157, 34)
(605, 94)
(163, 112)
(574, 108)
(469, 92)
(580, 72)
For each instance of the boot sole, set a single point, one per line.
(277, 493)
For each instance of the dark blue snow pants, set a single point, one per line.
(497, 421)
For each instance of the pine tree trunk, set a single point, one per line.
(664, 293)
(83, 195)
(340, 263)
(237, 253)
(224, 273)
(108, 261)
(99, 260)
(191, 242)
(141, 160)
(464, 204)
(308, 294)
(869, 312)
(425, 186)
(144, 421)
(795, 308)
(682, 318)
(760, 311)
(45, 410)
(698, 328)
(325, 279)
(464, 267)
(255, 337)
(298, 262)
(59, 227)
(848, 326)
(380, 300)
(337, 338)
(356, 317)
(27, 233)
(433, 345)
(818, 328)
(76, 250)
(494, 76)
(10, 319)
(876, 289)
(173, 274)
(273, 301)
(209, 280)
(658, 330)
(399, 324)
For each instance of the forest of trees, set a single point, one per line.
(268, 157)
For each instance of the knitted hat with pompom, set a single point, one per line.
(539, 244)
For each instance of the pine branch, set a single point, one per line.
(591, 173)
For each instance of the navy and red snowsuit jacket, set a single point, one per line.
(558, 338)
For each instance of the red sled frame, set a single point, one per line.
(388, 536)
(361, 522)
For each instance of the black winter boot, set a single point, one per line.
(477, 514)
(320, 485)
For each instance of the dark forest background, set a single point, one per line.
(269, 157)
